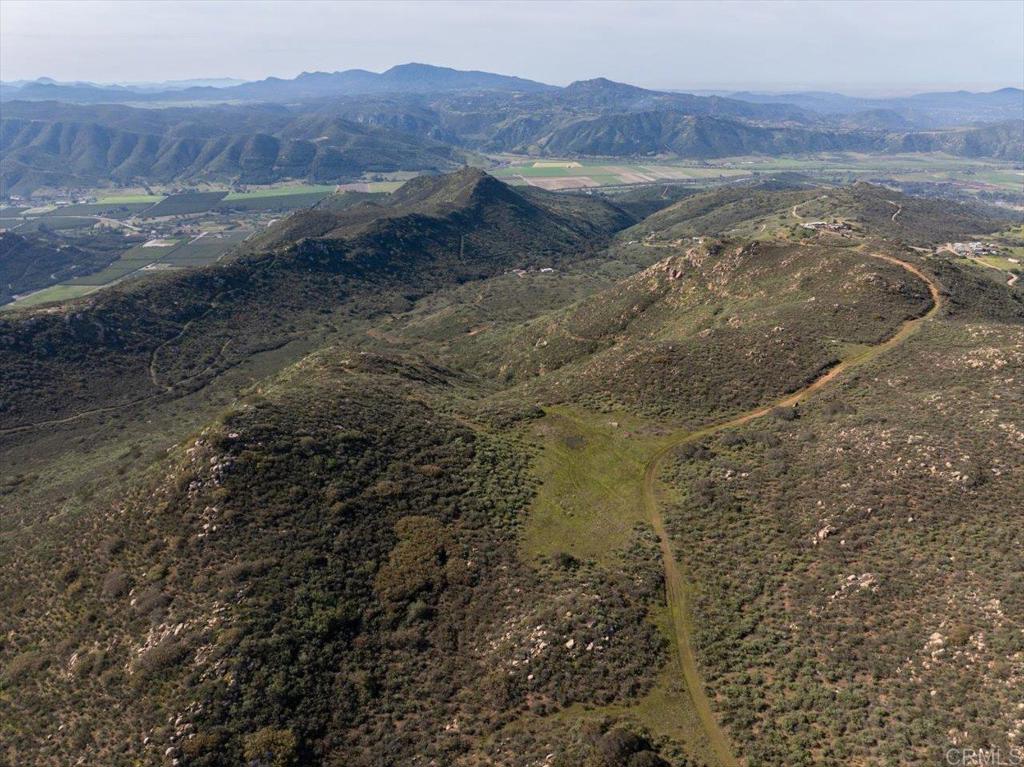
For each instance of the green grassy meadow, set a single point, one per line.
(591, 476)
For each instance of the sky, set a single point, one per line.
(883, 47)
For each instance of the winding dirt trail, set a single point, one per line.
(678, 592)
(899, 209)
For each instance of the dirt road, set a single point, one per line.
(676, 588)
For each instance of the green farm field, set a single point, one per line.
(54, 222)
(259, 201)
(978, 174)
(130, 199)
(282, 191)
(205, 249)
(118, 210)
(185, 203)
(53, 294)
(137, 261)
(130, 261)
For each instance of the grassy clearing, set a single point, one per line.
(665, 711)
(592, 477)
(1000, 262)
(589, 502)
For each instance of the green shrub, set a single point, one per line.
(270, 747)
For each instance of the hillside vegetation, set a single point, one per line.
(61, 145)
(469, 476)
(169, 336)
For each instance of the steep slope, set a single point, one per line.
(59, 155)
(887, 213)
(708, 329)
(706, 137)
(330, 127)
(164, 338)
(855, 505)
(1002, 140)
(83, 146)
(32, 262)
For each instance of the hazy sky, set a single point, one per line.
(853, 46)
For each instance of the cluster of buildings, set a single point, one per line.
(838, 227)
(974, 248)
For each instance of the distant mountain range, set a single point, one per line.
(61, 145)
(331, 127)
(924, 110)
(405, 78)
(920, 110)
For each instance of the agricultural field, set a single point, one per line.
(558, 175)
(53, 222)
(130, 199)
(130, 262)
(205, 249)
(282, 191)
(54, 294)
(370, 186)
(160, 233)
(185, 203)
(259, 201)
(117, 210)
(154, 256)
(970, 174)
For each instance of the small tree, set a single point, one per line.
(270, 747)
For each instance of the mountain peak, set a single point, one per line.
(416, 67)
(600, 84)
(459, 188)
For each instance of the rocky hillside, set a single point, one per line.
(445, 478)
